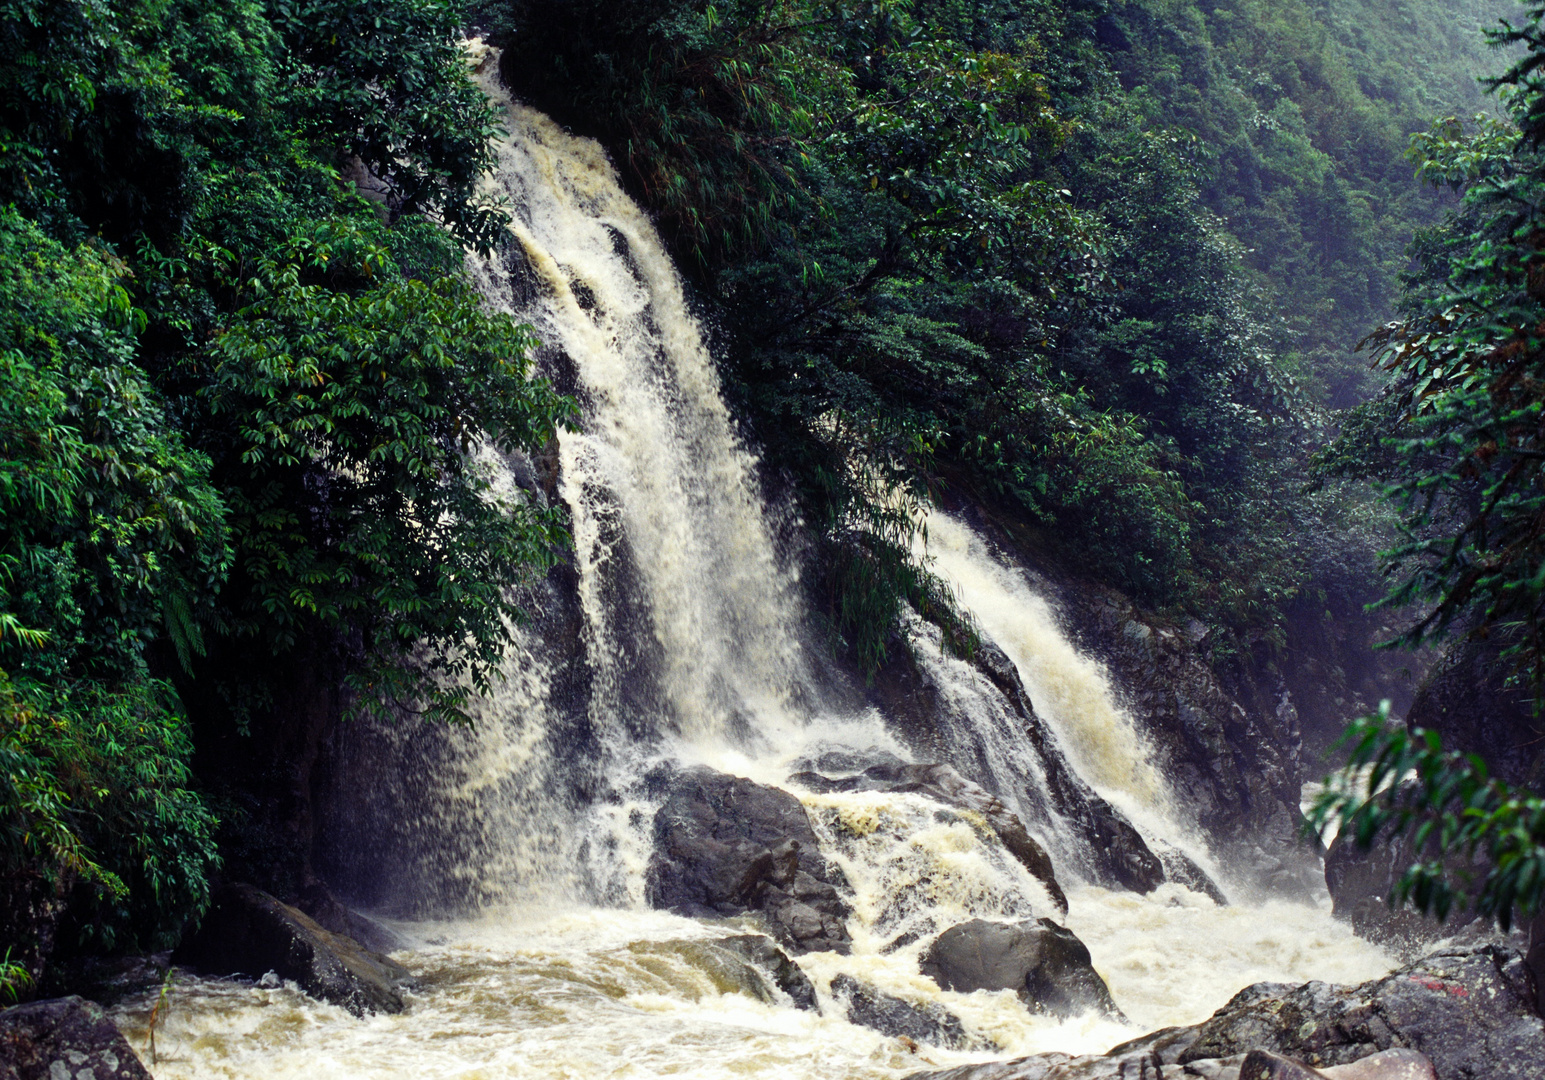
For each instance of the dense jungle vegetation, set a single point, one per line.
(1100, 264)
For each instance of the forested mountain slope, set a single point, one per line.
(1303, 112)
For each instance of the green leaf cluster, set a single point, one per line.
(1480, 845)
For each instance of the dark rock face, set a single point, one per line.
(333, 915)
(1361, 880)
(1182, 869)
(890, 1015)
(1471, 1011)
(1054, 1066)
(1390, 1065)
(1466, 700)
(64, 1037)
(1234, 752)
(1122, 1064)
(726, 846)
(30, 910)
(765, 955)
(1229, 740)
(248, 932)
(1045, 964)
(107, 980)
(944, 784)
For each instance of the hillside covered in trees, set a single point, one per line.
(1100, 267)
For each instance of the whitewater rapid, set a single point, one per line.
(602, 992)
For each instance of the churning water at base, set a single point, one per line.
(601, 992)
(691, 636)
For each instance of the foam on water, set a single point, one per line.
(602, 992)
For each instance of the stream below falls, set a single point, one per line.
(606, 992)
(695, 651)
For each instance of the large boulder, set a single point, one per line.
(1057, 1066)
(248, 932)
(943, 783)
(1456, 1014)
(1045, 964)
(725, 846)
(891, 1015)
(1361, 881)
(1141, 1065)
(1399, 1064)
(68, 1038)
(1470, 1010)
(336, 917)
(1183, 870)
(764, 954)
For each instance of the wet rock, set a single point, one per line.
(1122, 856)
(727, 967)
(1397, 1064)
(1264, 1065)
(1468, 1010)
(1228, 736)
(1467, 699)
(1182, 869)
(1045, 964)
(107, 980)
(64, 1038)
(248, 932)
(1361, 880)
(1136, 1066)
(1165, 1045)
(1207, 1069)
(1139, 1065)
(1459, 1014)
(846, 761)
(335, 916)
(944, 784)
(893, 1016)
(938, 706)
(726, 846)
(765, 954)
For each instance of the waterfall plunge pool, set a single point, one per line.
(588, 993)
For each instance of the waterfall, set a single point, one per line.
(692, 650)
(1071, 691)
(689, 614)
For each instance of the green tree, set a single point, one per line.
(1466, 368)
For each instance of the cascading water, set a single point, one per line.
(691, 635)
(1071, 691)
